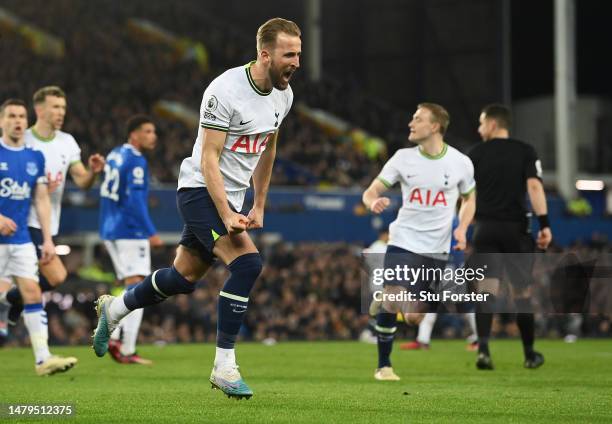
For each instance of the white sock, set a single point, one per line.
(130, 324)
(117, 309)
(471, 319)
(225, 357)
(116, 334)
(426, 327)
(36, 322)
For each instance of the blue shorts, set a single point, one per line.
(203, 225)
(426, 281)
(37, 239)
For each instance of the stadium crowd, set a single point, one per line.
(307, 291)
(102, 74)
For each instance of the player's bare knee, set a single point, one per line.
(57, 277)
(30, 290)
(391, 294)
(390, 307)
(229, 248)
(189, 264)
(129, 281)
(413, 318)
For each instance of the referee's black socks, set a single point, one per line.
(526, 324)
(484, 320)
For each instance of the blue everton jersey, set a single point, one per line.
(123, 196)
(21, 169)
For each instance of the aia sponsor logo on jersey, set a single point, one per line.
(59, 178)
(247, 144)
(427, 197)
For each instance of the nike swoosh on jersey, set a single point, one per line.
(244, 123)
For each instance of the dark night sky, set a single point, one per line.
(533, 49)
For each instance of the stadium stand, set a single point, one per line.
(308, 290)
(102, 51)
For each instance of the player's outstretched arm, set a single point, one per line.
(537, 197)
(42, 204)
(212, 146)
(261, 183)
(466, 215)
(84, 177)
(372, 197)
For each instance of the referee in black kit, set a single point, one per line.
(506, 170)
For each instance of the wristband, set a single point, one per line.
(543, 221)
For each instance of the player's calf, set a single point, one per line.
(232, 307)
(234, 297)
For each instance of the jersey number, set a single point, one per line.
(110, 186)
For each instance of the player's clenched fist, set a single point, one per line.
(155, 241)
(544, 238)
(380, 204)
(96, 163)
(7, 226)
(47, 252)
(236, 223)
(255, 219)
(460, 236)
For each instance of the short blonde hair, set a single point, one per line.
(51, 90)
(268, 32)
(439, 115)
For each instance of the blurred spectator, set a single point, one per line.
(307, 291)
(108, 76)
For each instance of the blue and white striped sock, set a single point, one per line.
(35, 319)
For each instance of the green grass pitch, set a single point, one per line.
(325, 382)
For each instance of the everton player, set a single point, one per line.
(126, 227)
(62, 157)
(22, 183)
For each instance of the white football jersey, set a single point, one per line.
(430, 190)
(233, 103)
(60, 153)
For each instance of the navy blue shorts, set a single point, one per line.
(37, 239)
(203, 225)
(426, 281)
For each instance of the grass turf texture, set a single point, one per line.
(325, 382)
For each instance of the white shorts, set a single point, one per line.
(130, 257)
(19, 260)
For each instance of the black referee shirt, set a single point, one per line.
(501, 169)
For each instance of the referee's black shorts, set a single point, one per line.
(504, 246)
